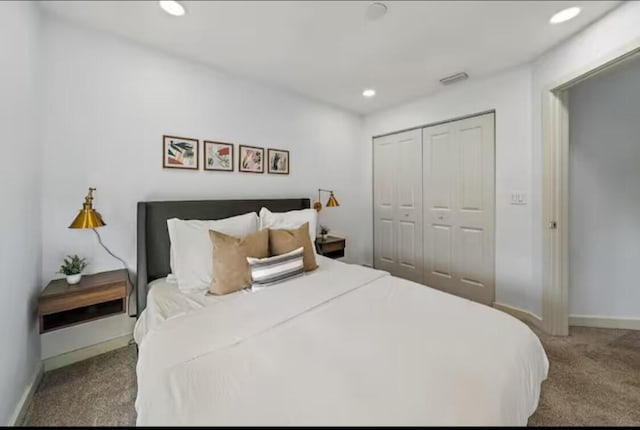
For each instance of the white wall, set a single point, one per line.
(509, 93)
(20, 243)
(107, 104)
(604, 194)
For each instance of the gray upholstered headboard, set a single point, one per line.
(153, 236)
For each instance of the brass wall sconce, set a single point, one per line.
(331, 203)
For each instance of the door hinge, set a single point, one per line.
(553, 225)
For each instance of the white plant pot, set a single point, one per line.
(74, 279)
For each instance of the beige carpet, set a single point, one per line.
(99, 391)
(594, 380)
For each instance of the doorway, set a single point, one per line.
(556, 197)
(604, 199)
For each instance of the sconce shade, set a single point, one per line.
(332, 202)
(88, 217)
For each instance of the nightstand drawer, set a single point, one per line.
(80, 315)
(332, 247)
(82, 298)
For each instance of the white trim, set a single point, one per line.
(605, 62)
(521, 314)
(604, 322)
(21, 408)
(555, 188)
(87, 352)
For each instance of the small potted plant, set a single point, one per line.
(324, 231)
(72, 268)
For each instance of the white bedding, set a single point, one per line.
(165, 301)
(345, 345)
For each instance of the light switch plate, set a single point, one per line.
(518, 198)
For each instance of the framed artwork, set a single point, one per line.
(218, 156)
(278, 160)
(180, 153)
(251, 159)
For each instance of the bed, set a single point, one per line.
(343, 345)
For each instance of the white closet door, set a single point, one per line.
(398, 204)
(458, 194)
(384, 201)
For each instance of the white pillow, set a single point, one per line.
(290, 220)
(191, 251)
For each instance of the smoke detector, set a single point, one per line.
(454, 78)
(376, 11)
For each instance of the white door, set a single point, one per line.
(397, 201)
(458, 190)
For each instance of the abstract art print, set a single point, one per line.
(251, 159)
(218, 156)
(180, 153)
(278, 161)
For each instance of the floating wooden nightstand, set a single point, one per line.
(96, 296)
(332, 246)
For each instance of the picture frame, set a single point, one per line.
(278, 161)
(218, 156)
(180, 152)
(250, 159)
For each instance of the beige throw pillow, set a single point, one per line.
(283, 241)
(231, 270)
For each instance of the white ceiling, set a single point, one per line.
(330, 51)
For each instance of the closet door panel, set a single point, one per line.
(409, 207)
(441, 168)
(439, 176)
(384, 202)
(407, 245)
(441, 263)
(398, 204)
(475, 223)
(386, 242)
(472, 178)
(458, 192)
(471, 256)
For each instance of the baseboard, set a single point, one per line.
(21, 408)
(84, 353)
(604, 322)
(521, 314)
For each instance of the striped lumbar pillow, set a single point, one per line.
(279, 268)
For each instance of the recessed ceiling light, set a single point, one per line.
(172, 7)
(369, 92)
(565, 15)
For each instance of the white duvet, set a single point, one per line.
(345, 345)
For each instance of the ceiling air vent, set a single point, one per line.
(454, 78)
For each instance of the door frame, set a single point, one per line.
(555, 188)
(495, 168)
(431, 124)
